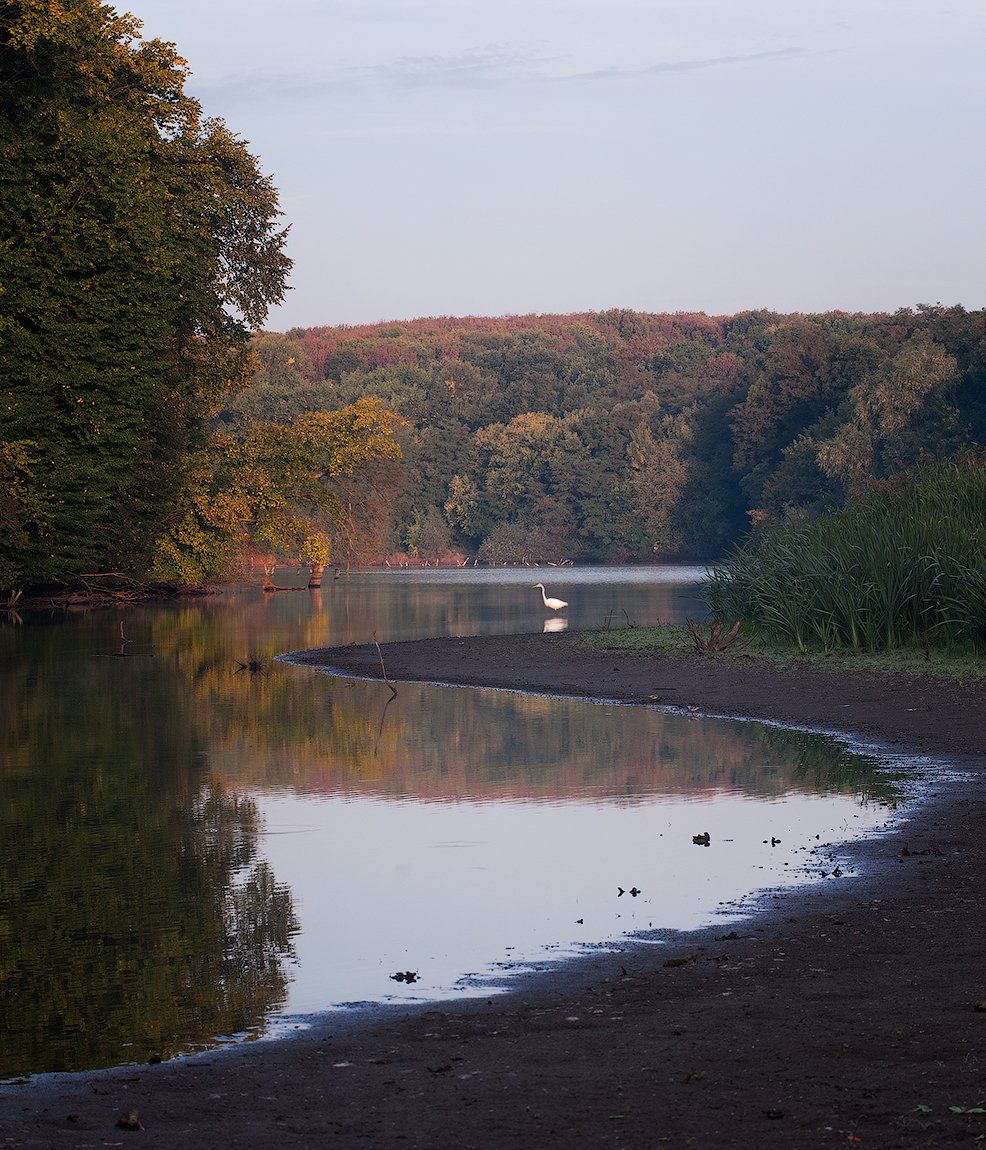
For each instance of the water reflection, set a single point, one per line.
(189, 848)
(477, 830)
(135, 915)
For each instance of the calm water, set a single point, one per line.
(189, 852)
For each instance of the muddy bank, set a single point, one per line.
(854, 1014)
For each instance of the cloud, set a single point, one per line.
(674, 66)
(384, 131)
(493, 66)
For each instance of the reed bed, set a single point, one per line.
(904, 563)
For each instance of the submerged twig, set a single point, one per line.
(383, 719)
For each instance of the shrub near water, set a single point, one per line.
(904, 563)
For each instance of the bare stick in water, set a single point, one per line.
(393, 689)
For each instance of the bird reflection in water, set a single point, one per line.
(558, 623)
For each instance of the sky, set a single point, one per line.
(489, 157)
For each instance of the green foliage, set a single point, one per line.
(903, 564)
(428, 535)
(23, 515)
(620, 435)
(297, 491)
(138, 240)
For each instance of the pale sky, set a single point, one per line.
(451, 157)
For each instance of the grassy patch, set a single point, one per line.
(903, 564)
(672, 640)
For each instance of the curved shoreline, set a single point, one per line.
(916, 713)
(837, 1011)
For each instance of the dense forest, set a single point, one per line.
(148, 426)
(626, 436)
(140, 244)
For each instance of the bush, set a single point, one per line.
(904, 563)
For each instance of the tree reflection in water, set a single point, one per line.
(135, 916)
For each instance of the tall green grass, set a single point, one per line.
(903, 563)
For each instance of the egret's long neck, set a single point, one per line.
(544, 598)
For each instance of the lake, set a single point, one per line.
(191, 853)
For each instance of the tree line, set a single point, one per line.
(622, 436)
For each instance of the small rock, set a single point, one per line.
(672, 962)
(130, 1120)
(702, 840)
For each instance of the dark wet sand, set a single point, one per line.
(846, 1015)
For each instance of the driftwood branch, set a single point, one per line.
(393, 689)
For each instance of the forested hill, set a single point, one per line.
(620, 435)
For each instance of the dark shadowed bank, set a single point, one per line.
(850, 1014)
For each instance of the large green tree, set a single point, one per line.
(139, 243)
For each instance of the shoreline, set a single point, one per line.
(944, 716)
(837, 1013)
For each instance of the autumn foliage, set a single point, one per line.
(619, 435)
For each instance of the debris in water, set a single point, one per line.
(702, 840)
(405, 976)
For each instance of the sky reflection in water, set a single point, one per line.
(187, 851)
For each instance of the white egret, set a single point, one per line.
(554, 604)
